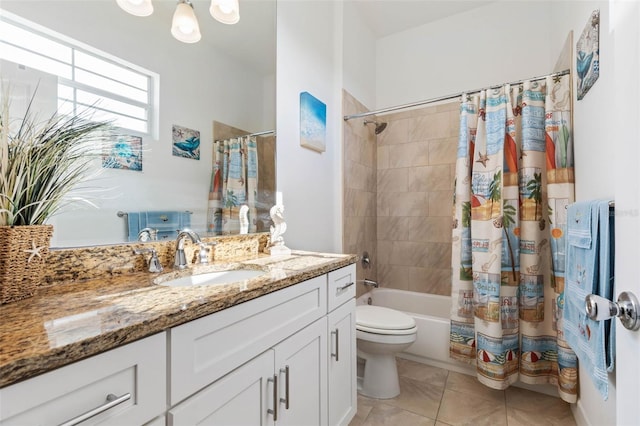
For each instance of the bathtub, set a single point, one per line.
(431, 313)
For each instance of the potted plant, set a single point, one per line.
(41, 162)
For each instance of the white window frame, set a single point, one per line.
(150, 107)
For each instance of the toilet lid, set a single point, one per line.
(380, 318)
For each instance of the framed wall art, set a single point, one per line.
(588, 55)
(313, 122)
(125, 153)
(186, 142)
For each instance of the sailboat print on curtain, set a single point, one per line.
(507, 257)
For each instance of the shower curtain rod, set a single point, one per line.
(445, 98)
(268, 132)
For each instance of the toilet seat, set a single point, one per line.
(381, 320)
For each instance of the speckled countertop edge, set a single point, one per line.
(66, 323)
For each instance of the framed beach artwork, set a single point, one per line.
(313, 122)
(588, 55)
(125, 153)
(186, 142)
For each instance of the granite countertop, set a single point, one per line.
(65, 323)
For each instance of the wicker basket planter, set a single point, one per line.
(23, 254)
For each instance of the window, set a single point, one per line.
(87, 78)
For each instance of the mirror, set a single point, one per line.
(227, 77)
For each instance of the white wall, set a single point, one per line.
(494, 44)
(359, 69)
(195, 89)
(309, 40)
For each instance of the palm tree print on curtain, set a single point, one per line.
(234, 182)
(514, 179)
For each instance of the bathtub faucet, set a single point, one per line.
(370, 283)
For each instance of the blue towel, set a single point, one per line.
(589, 270)
(167, 223)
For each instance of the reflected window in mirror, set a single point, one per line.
(229, 76)
(87, 78)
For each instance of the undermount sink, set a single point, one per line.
(209, 278)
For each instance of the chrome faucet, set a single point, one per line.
(180, 261)
(148, 234)
(154, 262)
(370, 283)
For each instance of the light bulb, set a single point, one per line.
(185, 24)
(225, 11)
(226, 6)
(136, 7)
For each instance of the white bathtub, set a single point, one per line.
(431, 313)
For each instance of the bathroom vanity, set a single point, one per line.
(275, 349)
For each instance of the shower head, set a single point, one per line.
(379, 126)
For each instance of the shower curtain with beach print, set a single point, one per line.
(514, 180)
(234, 182)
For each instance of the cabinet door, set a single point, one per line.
(242, 397)
(342, 364)
(301, 367)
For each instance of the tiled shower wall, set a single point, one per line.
(359, 211)
(398, 195)
(415, 174)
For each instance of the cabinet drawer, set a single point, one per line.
(341, 286)
(137, 369)
(204, 350)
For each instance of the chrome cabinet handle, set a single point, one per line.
(275, 398)
(626, 309)
(337, 354)
(344, 287)
(285, 370)
(112, 401)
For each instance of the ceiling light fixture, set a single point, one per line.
(225, 11)
(136, 7)
(184, 26)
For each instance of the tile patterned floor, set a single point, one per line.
(432, 396)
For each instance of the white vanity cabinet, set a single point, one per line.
(285, 358)
(133, 374)
(206, 349)
(285, 385)
(268, 361)
(342, 380)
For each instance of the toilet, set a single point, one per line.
(381, 333)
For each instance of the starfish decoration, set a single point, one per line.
(482, 159)
(35, 251)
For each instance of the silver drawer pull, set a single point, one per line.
(285, 370)
(337, 354)
(112, 401)
(275, 398)
(346, 286)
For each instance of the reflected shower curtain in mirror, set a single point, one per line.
(234, 182)
(514, 180)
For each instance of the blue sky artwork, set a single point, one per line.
(313, 122)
